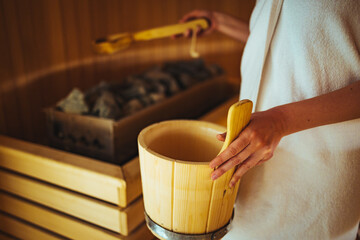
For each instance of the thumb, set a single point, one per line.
(221, 137)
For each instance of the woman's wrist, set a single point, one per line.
(283, 119)
(216, 19)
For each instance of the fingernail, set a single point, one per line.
(231, 184)
(214, 176)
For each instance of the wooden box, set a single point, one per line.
(115, 141)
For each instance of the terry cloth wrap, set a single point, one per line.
(310, 188)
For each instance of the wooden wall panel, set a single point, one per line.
(11, 64)
(45, 49)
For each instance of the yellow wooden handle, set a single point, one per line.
(120, 41)
(238, 117)
(170, 30)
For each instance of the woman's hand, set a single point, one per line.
(209, 16)
(226, 24)
(254, 145)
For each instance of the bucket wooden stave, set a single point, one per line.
(178, 192)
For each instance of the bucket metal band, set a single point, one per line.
(166, 234)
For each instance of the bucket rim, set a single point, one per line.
(202, 124)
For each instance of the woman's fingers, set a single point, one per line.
(188, 33)
(221, 137)
(245, 166)
(256, 144)
(233, 162)
(196, 14)
(233, 149)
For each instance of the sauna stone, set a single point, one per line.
(133, 106)
(134, 87)
(116, 99)
(106, 106)
(95, 92)
(74, 103)
(158, 76)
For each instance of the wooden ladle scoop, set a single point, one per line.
(238, 117)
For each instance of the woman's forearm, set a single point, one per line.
(337, 106)
(231, 26)
(259, 139)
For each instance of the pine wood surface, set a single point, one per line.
(191, 197)
(94, 211)
(46, 50)
(20, 229)
(62, 224)
(5, 236)
(157, 188)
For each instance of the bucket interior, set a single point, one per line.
(193, 141)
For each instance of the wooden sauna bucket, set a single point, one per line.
(178, 192)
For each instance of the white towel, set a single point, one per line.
(310, 189)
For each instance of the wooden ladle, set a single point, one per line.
(221, 204)
(238, 117)
(117, 42)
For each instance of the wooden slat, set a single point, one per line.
(88, 176)
(9, 50)
(132, 176)
(84, 27)
(28, 56)
(5, 236)
(94, 211)
(62, 224)
(191, 198)
(20, 229)
(157, 188)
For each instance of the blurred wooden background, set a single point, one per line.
(45, 50)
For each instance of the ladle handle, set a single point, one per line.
(120, 41)
(170, 30)
(238, 117)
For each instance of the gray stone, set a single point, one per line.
(133, 106)
(74, 103)
(186, 81)
(106, 106)
(155, 76)
(157, 97)
(133, 88)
